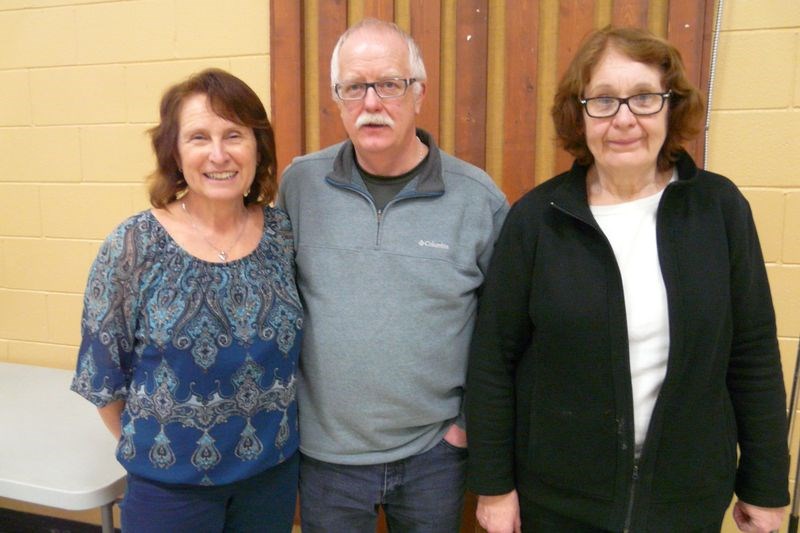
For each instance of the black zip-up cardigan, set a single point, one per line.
(549, 403)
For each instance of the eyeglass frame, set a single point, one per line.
(408, 83)
(664, 97)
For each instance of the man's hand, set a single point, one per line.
(751, 518)
(456, 436)
(499, 514)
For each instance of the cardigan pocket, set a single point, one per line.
(698, 457)
(574, 450)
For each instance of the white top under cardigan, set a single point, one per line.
(631, 229)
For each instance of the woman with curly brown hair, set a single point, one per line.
(626, 340)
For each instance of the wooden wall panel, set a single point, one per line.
(456, 99)
(471, 53)
(630, 13)
(689, 28)
(332, 23)
(576, 18)
(426, 19)
(379, 9)
(519, 128)
(286, 73)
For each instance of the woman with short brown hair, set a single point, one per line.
(626, 340)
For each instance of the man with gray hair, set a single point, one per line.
(392, 240)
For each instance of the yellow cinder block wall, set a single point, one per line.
(80, 82)
(755, 141)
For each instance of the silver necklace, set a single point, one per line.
(222, 254)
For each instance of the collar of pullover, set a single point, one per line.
(429, 179)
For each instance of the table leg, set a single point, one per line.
(107, 517)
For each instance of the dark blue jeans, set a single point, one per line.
(421, 494)
(263, 503)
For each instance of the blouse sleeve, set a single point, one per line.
(108, 321)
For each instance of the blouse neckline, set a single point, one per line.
(193, 257)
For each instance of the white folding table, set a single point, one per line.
(54, 449)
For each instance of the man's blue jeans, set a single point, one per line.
(421, 494)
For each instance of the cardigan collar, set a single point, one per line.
(571, 195)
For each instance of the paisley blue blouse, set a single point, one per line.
(203, 354)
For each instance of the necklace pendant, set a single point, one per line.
(223, 256)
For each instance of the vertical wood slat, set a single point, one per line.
(286, 80)
(547, 59)
(657, 12)
(447, 79)
(575, 21)
(426, 18)
(709, 20)
(379, 9)
(332, 22)
(602, 13)
(576, 18)
(689, 28)
(471, 68)
(519, 123)
(495, 90)
(630, 13)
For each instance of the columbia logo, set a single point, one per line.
(434, 244)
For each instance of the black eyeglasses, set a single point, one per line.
(639, 104)
(388, 88)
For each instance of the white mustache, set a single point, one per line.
(373, 119)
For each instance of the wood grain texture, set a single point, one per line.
(576, 18)
(379, 9)
(453, 37)
(332, 23)
(286, 80)
(426, 19)
(519, 123)
(689, 28)
(630, 13)
(471, 67)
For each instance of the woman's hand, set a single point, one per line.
(751, 518)
(499, 514)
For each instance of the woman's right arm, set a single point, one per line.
(502, 334)
(108, 324)
(111, 413)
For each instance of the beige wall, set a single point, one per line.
(80, 82)
(755, 141)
